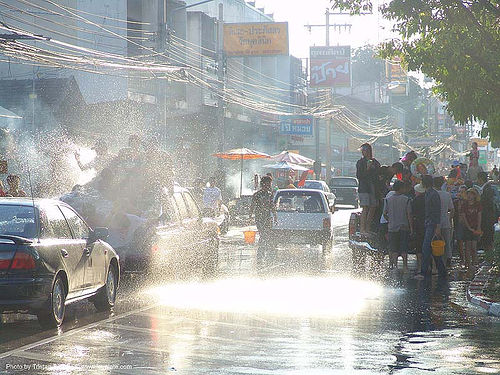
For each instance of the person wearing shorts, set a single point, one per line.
(367, 173)
(397, 212)
(418, 215)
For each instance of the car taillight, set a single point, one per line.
(326, 223)
(22, 261)
(4, 264)
(154, 248)
(352, 226)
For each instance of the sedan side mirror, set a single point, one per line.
(100, 233)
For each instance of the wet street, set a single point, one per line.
(302, 314)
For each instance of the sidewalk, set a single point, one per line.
(475, 292)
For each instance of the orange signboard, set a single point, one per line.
(256, 39)
(481, 142)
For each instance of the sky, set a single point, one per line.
(366, 29)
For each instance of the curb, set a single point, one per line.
(475, 292)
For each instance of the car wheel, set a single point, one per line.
(54, 315)
(106, 296)
(211, 260)
(327, 246)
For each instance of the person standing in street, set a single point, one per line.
(264, 209)
(495, 174)
(458, 232)
(447, 212)
(418, 214)
(474, 168)
(212, 198)
(367, 174)
(471, 218)
(397, 212)
(488, 214)
(432, 228)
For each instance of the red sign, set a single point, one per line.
(330, 66)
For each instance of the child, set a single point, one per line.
(471, 219)
(398, 214)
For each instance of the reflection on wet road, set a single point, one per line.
(304, 314)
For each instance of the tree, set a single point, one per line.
(455, 42)
(366, 65)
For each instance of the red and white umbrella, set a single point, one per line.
(292, 157)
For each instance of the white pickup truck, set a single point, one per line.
(305, 217)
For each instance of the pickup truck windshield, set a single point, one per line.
(344, 182)
(17, 221)
(298, 201)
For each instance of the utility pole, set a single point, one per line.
(161, 85)
(340, 26)
(220, 78)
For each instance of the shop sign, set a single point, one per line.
(330, 66)
(256, 39)
(296, 125)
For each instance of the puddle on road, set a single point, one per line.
(294, 296)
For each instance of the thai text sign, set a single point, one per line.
(296, 125)
(256, 39)
(330, 66)
(481, 142)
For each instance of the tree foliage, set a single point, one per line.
(366, 65)
(455, 42)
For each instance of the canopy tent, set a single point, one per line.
(241, 154)
(292, 157)
(284, 165)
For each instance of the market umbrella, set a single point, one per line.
(284, 165)
(241, 154)
(292, 157)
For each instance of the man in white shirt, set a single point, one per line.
(212, 198)
(447, 212)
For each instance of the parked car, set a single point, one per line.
(345, 190)
(304, 217)
(49, 257)
(182, 238)
(321, 185)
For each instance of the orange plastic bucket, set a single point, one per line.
(249, 236)
(438, 247)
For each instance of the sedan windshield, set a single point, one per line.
(299, 201)
(17, 221)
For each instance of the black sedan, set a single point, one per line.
(346, 190)
(49, 257)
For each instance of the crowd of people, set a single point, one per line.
(129, 184)
(412, 207)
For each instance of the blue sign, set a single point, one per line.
(296, 125)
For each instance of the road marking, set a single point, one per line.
(182, 336)
(72, 332)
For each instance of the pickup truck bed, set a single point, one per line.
(374, 244)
